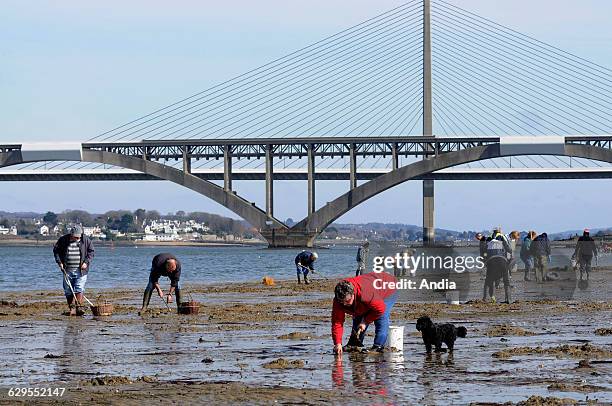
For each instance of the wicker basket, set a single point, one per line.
(102, 307)
(190, 307)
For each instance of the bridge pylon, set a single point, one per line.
(289, 238)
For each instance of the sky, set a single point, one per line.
(72, 69)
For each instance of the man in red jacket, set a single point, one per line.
(368, 298)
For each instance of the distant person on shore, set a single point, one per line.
(368, 302)
(482, 251)
(498, 252)
(304, 264)
(362, 258)
(526, 255)
(584, 253)
(540, 250)
(499, 235)
(163, 265)
(482, 245)
(513, 239)
(73, 253)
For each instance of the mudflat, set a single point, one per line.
(257, 344)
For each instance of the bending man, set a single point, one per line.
(304, 264)
(368, 299)
(163, 265)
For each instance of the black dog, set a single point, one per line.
(436, 334)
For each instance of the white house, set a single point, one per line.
(95, 232)
(44, 230)
(161, 237)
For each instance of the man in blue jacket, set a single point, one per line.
(304, 264)
(73, 253)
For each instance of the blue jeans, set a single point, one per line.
(381, 324)
(302, 269)
(76, 280)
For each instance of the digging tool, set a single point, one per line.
(320, 274)
(166, 303)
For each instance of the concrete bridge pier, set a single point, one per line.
(289, 238)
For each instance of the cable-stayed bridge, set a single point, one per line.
(424, 91)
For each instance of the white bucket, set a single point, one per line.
(395, 339)
(452, 297)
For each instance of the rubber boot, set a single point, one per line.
(299, 280)
(526, 278)
(146, 298)
(177, 295)
(79, 304)
(507, 291)
(306, 279)
(71, 308)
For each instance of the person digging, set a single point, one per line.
(163, 265)
(304, 264)
(369, 300)
(73, 254)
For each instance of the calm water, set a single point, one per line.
(32, 268)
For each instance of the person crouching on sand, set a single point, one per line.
(360, 297)
(163, 265)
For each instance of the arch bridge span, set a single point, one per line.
(439, 153)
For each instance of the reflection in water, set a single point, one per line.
(435, 367)
(166, 342)
(371, 374)
(337, 373)
(77, 357)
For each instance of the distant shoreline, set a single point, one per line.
(325, 243)
(139, 243)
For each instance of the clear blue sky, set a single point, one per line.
(73, 69)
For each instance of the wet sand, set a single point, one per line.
(256, 344)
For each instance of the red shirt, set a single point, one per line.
(368, 302)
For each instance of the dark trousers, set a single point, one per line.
(585, 265)
(497, 267)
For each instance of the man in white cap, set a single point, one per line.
(73, 253)
(304, 264)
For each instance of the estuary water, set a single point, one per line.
(33, 268)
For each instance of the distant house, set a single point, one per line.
(94, 232)
(116, 233)
(161, 237)
(4, 230)
(44, 230)
(13, 230)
